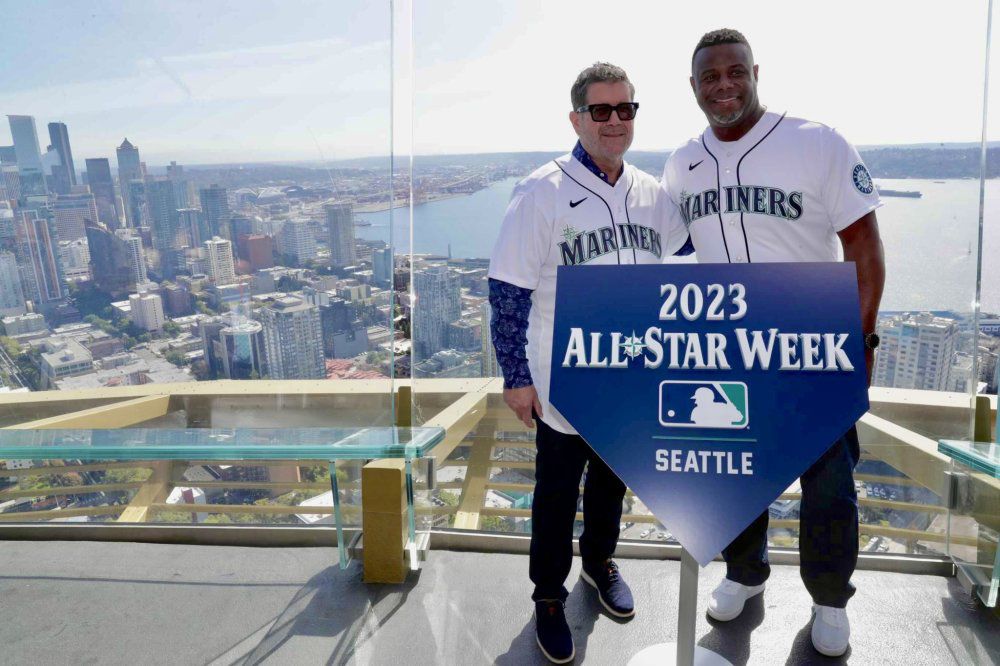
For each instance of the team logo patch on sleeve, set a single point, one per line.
(863, 180)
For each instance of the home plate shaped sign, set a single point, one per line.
(709, 388)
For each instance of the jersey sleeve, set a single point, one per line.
(847, 189)
(523, 243)
(671, 221)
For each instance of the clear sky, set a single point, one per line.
(220, 81)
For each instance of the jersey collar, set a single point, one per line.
(584, 158)
(756, 133)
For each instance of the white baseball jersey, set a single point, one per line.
(779, 193)
(563, 214)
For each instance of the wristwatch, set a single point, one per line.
(872, 340)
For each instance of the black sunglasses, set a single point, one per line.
(601, 113)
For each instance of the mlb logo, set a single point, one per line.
(687, 404)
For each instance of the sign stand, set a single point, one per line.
(684, 652)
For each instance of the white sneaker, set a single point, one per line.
(727, 600)
(831, 631)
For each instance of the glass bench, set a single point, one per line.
(235, 445)
(975, 493)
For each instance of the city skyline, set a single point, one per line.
(283, 89)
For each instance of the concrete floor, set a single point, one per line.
(121, 603)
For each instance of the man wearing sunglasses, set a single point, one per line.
(759, 186)
(587, 207)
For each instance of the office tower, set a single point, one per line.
(192, 222)
(219, 253)
(135, 203)
(112, 266)
(344, 335)
(11, 294)
(7, 236)
(382, 267)
(65, 176)
(177, 300)
(175, 172)
(136, 256)
(916, 352)
(296, 241)
(103, 186)
(28, 154)
(70, 213)
(293, 339)
(240, 225)
(10, 182)
(490, 366)
(256, 251)
(241, 350)
(38, 250)
(8, 155)
(215, 208)
(439, 303)
(147, 311)
(129, 164)
(168, 236)
(74, 256)
(340, 221)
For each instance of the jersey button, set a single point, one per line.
(728, 171)
(740, 259)
(732, 223)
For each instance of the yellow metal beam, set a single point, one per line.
(42, 516)
(55, 491)
(474, 488)
(116, 415)
(155, 490)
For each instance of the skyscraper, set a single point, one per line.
(340, 221)
(382, 267)
(296, 241)
(241, 350)
(70, 213)
(135, 203)
(111, 261)
(103, 186)
(66, 177)
(11, 294)
(147, 311)
(293, 339)
(168, 236)
(490, 366)
(136, 256)
(916, 352)
(438, 294)
(10, 182)
(175, 172)
(219, 253)
(215, 208)
(129, 164)
(29, 155)
(40, 266)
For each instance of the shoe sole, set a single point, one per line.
(590, 581)
(827, 652)
(548, 656)
(727, 618)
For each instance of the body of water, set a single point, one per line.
(930, 242)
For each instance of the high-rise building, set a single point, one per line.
(129, 164)
(136, 256)
(490, 366)
(147, 311)
(193, 223)
(175, 172)
(168, 236)
(296, 241)
(103, 186)
(340, 221)
(241, 350)
(382, 267)
(71, 212)
(65, 175)
(135, 203)
(111, 262)
(29, 155)
(11, 294)
(438, 293)
(293, 339)
(10, 183)
(219, 253)
(215, 208)
(8, 155)
(40, 265)
(916, 352)
(74, 256)
(256, 251)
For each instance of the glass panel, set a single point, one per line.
(187, 213)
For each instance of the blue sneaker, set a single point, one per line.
(612, 590)
(552, 632)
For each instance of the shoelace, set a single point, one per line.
(612, 572)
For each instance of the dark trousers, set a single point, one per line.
(828, 530)
(558, 467)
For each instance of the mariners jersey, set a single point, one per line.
(779, 193)
(565, 215)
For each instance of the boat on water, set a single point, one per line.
(907, 194)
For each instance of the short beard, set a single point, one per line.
(729, 119)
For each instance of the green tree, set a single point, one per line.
(176, 357)
(171, 329)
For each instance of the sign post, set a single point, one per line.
(708, 388)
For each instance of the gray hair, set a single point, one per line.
(599, 72)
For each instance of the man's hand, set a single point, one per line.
(522, 401)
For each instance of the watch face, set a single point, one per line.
(872, 341)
